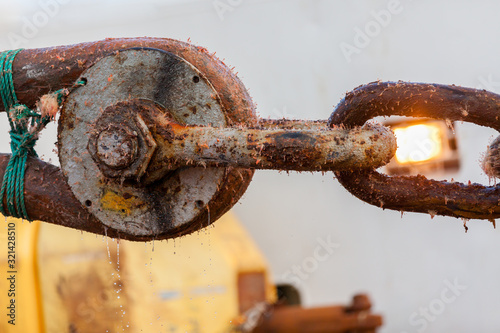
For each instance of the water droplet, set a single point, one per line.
(118, 253)
(107, 244)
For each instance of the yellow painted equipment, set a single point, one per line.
(87, 283)
(214, 280)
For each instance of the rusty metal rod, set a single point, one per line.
(312, 147)
(341, 319)
(37, 72)
(296, 124)
(338, 148)
(295, 319)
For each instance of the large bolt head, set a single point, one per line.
(121, 144)
(117, 146)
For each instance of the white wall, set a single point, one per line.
(288, 55)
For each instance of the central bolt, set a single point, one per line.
(117, 147)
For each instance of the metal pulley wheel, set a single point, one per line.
(158, 138)
(108, 145)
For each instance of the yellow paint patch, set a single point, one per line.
(115, 202)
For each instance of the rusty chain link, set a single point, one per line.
(417, 193)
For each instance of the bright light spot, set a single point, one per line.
(418, 143)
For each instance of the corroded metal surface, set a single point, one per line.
(491, 160)
(181, 146)
(39, 71)
(280, 149)
(49, 198)
(121, 144)
(116, 146)
(319, 125)
(418, 194)
(172, 201)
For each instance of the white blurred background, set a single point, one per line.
(289, 55)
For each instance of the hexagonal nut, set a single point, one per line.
(121, 143)
(145, 153)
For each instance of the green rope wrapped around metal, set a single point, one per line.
(25, 125)
(7, 91)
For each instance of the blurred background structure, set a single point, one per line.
(298, 58)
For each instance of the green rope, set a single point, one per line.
(25, 125)
(8, 94)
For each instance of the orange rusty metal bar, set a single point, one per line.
(279, 149)
(37, 72)
(331, 319)
(319, 125)
(272, 147)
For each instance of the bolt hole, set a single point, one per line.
(196, 79)
(200, 203)
(88, 203)
(83, 81)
